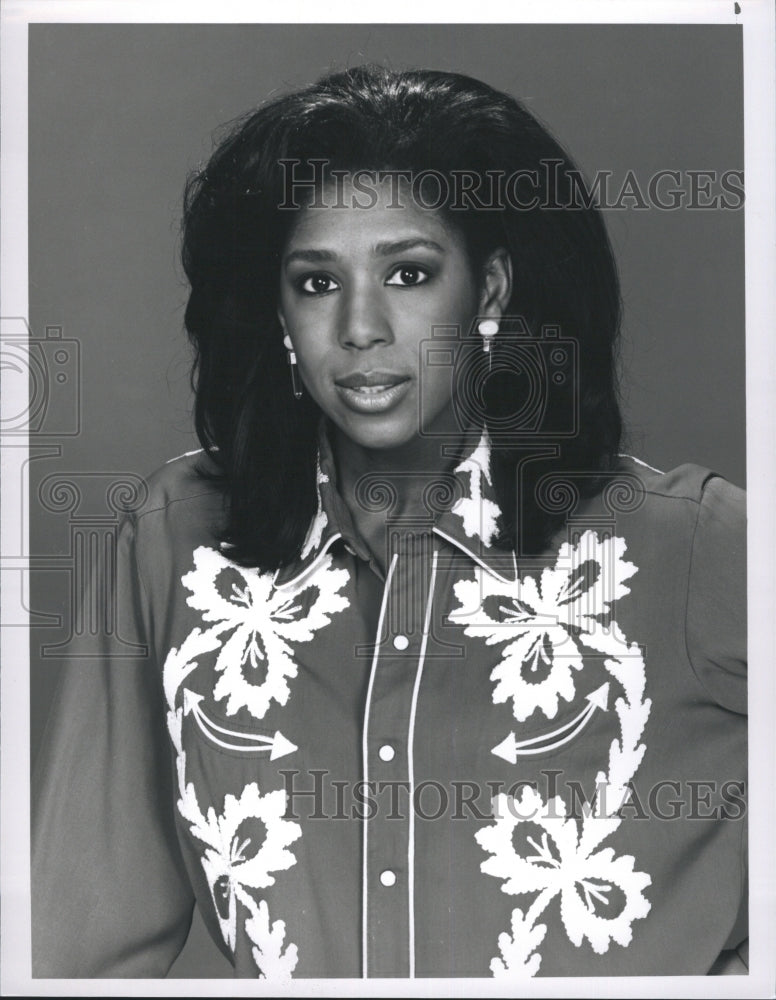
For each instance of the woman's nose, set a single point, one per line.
(363, 323)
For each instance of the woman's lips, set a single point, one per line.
(372, 392)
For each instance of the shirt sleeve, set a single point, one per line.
(716, 602)
(110, 896)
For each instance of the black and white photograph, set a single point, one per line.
(388, 479)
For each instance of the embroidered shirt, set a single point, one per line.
(473, 764)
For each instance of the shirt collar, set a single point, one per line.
(470, 524)
(326, 526)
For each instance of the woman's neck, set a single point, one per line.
(422, 459)
(402, 473)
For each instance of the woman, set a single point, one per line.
(431, 681)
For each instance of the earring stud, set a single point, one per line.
(487, 329)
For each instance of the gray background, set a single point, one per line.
(118, 115)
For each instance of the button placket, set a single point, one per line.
(395, 681)
(387, 848)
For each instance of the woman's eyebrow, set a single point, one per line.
(382, 249)
(310, 256)
(401, 246)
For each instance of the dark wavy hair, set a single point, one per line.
(262, 440)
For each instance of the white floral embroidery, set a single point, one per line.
(246, 842)
(177, 666)
(546, 625)
(264, 621)
(561, 864)
(269, 955)
(319, 522)
(572, 606)
(232, 859)
(478, 513)
(519, 952)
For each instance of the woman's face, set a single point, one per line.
(360, 290)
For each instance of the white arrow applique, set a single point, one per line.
(277, 745)
(510, 749)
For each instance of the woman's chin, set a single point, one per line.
(386, 434)
(380, 438)
(377, 432)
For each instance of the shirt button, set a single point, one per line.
(388, 878)
(386, 752)
(400, 642)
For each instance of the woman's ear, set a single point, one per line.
(496, 284)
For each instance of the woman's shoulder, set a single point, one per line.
(185, 478)
(183, 500)
(693, 520)
(699, 490)
(689, 506)
(688, 481)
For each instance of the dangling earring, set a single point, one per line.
(295, 383)
(487, 329)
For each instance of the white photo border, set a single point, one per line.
(757, 20)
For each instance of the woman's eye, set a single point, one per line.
(317, 284)
(408, 274)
